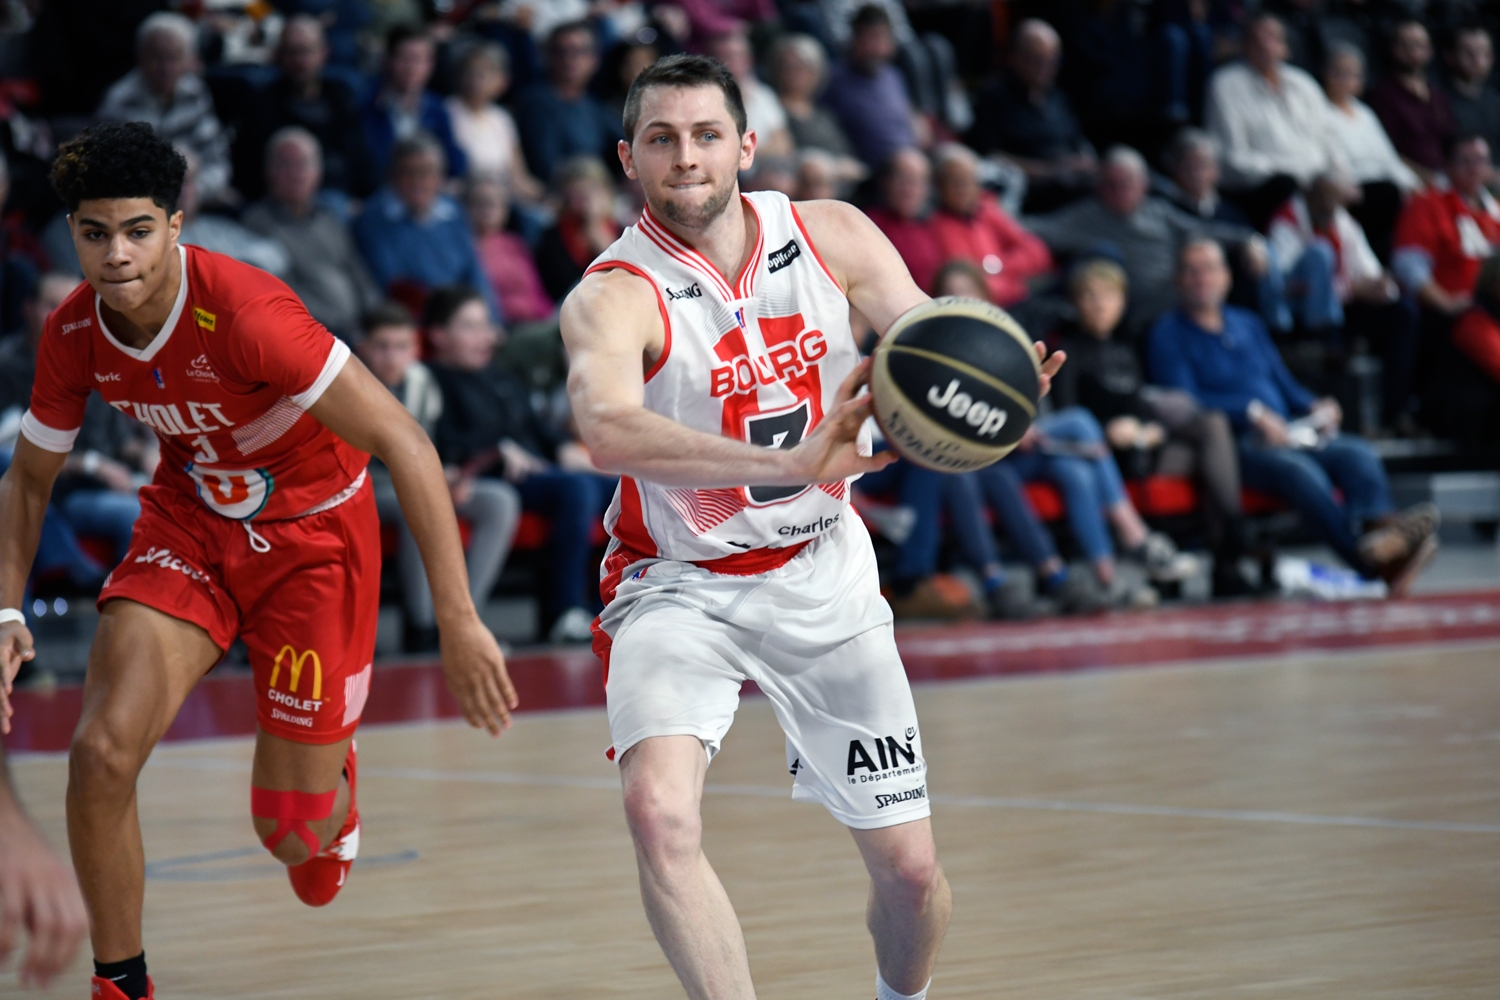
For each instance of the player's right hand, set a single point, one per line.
(37, 892)
(831, 451)
(475, 670)
(15, 649)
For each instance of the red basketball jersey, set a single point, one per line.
(226, 385)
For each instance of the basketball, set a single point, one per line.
(955, 384)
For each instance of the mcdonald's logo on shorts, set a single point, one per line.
(297, 662)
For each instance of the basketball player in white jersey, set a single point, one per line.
(712, 365)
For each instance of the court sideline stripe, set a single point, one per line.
(964, 801)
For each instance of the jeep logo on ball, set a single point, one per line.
(962, 406)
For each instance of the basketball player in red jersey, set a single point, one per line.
(712, 365)
(260, 525)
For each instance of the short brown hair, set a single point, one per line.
(683, 71)
(1099, 269)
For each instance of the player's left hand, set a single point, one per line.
(15, 649)
(475, 670)
(37, 892)
(1049, 366)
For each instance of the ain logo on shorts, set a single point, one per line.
(895, 759)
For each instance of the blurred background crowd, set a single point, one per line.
(1263, 233)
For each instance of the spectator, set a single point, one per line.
(1271, 121)
(1224, 357)
(388, 346)
(626, 61)
(413, 233)
(817, 176)
(222, 234)
(504, 256)
(559, 118)
(1143, 233)
(326, 106)
(763, 112)
(166, 91)
(404, 107)
(1193, 160)
(325, 267)
(799, 70)
(867, 92)
(1442, 237)
(20, 260)
(1384, 178)
(585, 225)
(772, 173)
(484, 129)
(488, 424)
(1024, 116)
(970, 225)
(1157, 428)
(1465, 401)
(709, 19)
(1473, 100)
(1415, 113)
(906, 196)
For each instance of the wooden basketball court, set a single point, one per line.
(1322, 824)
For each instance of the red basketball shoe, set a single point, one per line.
(319, 879)
(103, 989)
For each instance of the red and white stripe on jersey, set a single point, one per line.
(758, 359)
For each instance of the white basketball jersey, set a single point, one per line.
(759, 360)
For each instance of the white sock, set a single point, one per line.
(884, 992)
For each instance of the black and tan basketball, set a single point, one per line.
(955, 384)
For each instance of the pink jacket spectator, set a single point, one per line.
(506, 261)
(915, 241)
(1009, 255)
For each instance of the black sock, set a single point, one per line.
(129, 975)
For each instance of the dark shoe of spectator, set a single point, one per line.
(1131, 594)
(574, 625)
(938, 596)
(1229, 582)
(419, 639)
(1076, 594)
(1163, 562)
(1401, 547)
(1013, 601)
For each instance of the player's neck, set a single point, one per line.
(138, 327)
(727, 241)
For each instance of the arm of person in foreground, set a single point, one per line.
(24, 492)
(37, 892)
(612, 327)
(360, 410)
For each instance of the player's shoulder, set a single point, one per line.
(609, 287)
(826, 216)
(71, 322)
(217, 281)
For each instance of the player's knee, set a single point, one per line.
(287, 823)
(912, 874)
(666, 828)
(100, 758)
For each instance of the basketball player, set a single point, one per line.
(260, 525)
(712, 365)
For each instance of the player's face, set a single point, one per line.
(687, 154)
(126, 247)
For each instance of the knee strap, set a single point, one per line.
(291, 811)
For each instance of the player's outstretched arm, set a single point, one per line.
(611, 327)
(24, 492)
(37, 892)
(360, 410)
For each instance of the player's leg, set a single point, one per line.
(315, 776)
(910, 903)
(142, 666)
(685, 902)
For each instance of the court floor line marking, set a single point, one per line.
(962, 801)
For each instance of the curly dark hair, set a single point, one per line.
(118, 160)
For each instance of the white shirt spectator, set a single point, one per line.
(1368, 149)
(489, 138)
(1264, 131)
(1291, 232)
(763, 112)
(188, 121)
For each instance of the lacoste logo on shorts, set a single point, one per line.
(910, 795)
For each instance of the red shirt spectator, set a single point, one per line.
(1477, 335)
(906, 188)
(970, 225)
(1450, 235)
(503, 256)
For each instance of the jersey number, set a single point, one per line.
(777, 430)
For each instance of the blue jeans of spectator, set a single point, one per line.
(58, 548)
(1303, 290)
(571, 501)
(1089, 486)
(103, 512)
(1187, 52)
(1002, 490)
(1305, 481)
(922, 491)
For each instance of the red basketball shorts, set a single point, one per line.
(306, 607)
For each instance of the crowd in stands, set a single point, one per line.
(1191, 197)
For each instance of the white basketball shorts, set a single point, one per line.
(814, 635)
